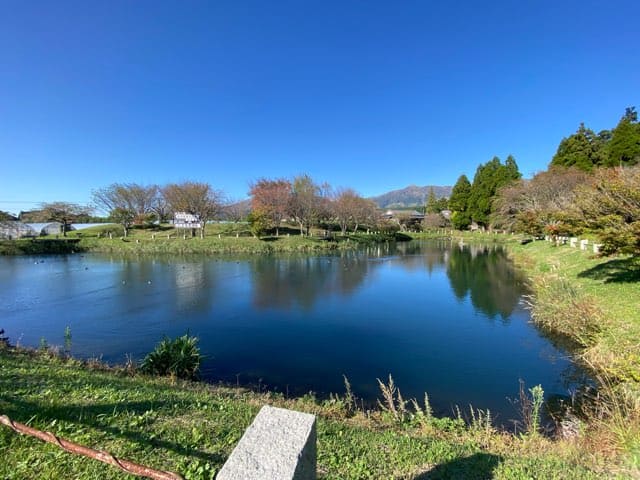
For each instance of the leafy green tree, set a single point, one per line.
(482, 191)
(442, 204)
(624, 146)
(124, 217)
(259, 222)
(459, 203)
(584, 149)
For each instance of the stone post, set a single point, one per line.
(280, 444)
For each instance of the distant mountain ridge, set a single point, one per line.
(411, 196)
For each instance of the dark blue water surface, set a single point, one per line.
(441, 318)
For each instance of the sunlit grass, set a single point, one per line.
(596, 302)
(191, 428)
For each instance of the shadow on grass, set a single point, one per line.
(478, 466)
(269, 239)
(98, 417)
(619, 270)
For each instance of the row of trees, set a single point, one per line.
(570, 201)
(579, 191)
(473, 202)
(129, 204)
(308, 204)
(592, 185)
(302, 200)
(132, 204)
(587, 150)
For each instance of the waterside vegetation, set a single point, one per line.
(591, 302)
(219, 238)
(191, 428)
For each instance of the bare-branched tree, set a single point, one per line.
(272, 199)
(196, 198)
(63, 212)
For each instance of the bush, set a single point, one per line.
(178, 358)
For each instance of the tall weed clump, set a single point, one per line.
(178, 358)
(393, 405)
(613, 414)
(560, 307)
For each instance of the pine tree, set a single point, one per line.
(432, 203)
(584, 150)
(510, 171)
(489, 179)
(459, 203)
(624, 147)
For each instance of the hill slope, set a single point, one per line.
(410, 196)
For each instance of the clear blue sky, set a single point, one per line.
(367, 94)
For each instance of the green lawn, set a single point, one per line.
(191, 428)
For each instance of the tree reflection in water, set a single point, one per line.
(483, 273)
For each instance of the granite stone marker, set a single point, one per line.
(280, 444)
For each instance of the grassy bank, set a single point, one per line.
(39, 246)
(594, 302)
(219, 238)
(191, 428)
(605, 289)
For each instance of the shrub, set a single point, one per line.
(178, 358)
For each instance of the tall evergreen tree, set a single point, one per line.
(510, 171)
(584, 150)
(459, 203)
(483, 190)
(624, 147)
(489, 178)
(432, 203)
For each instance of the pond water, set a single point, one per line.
(439, 317)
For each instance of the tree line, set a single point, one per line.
(592, 185)
(273, 201)
(308, 204)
